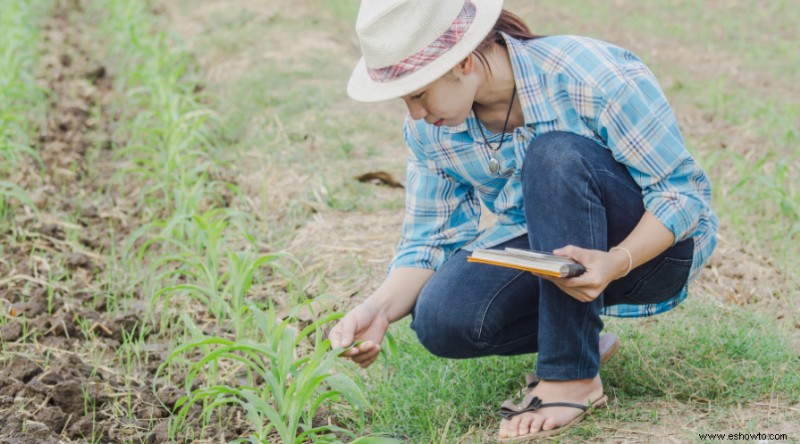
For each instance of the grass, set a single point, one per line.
(24, 102)
(704, 352)
(758, 182)
(735, 29)
(288, 395)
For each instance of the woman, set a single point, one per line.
(572, 144)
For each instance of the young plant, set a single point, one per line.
(293, 388)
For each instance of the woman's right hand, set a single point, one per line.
(364, 323)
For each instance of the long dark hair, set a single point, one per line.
(508, 23)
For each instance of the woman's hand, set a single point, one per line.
(601, 269)
(364, 323)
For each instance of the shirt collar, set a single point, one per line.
(535, 104)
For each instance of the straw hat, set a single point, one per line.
(407, 44)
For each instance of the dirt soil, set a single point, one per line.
(58, 378)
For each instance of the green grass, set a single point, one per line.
(703, 352)
(735, 29)
(24, 102)
(706, 352)
(763, 187)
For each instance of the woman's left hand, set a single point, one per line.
(601, 269)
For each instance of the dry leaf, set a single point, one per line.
(379, 178)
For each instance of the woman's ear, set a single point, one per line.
(467, 66)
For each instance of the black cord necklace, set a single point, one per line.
(494, 164)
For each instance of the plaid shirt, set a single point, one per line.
(565, 83)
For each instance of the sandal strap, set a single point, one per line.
(509, 410)
(565, 404)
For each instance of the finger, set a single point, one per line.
(366, 354)
(335, 336)
(348, 330)
(574, 282)
(364, 357)
(575, 253)
(360, 348)
(366, 363)
(350, 350)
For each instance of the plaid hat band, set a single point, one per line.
(432, 52)
(407, 44)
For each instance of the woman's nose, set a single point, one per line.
(417, 111)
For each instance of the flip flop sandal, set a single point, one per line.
(509, 410)
(609, 344)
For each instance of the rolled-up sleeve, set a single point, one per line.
(441, 214)
(642, 132)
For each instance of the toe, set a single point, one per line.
(525, 424)
(507, 426)
(536, 425)
(549, 424)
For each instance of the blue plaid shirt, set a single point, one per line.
(564, 83)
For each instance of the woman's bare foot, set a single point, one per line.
(578, 391)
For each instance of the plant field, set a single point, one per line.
(181, 222)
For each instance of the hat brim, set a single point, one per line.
(361, 87)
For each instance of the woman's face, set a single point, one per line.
(446, 101)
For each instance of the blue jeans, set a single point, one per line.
(574, 193)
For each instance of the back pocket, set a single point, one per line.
(663, 282)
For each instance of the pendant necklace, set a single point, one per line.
(494, 164)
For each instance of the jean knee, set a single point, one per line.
(554, 156)
(439, 331)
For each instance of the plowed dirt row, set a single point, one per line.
(60, 380)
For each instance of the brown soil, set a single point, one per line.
(54, 273)
(61, 375)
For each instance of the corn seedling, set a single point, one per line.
(289, 396)
(202, 254)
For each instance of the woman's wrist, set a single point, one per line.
(396, 296)
(623, 261)
(374, 308)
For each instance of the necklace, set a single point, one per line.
(494, 164)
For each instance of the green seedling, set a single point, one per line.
(293, 388)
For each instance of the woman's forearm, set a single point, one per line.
(398, 293)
